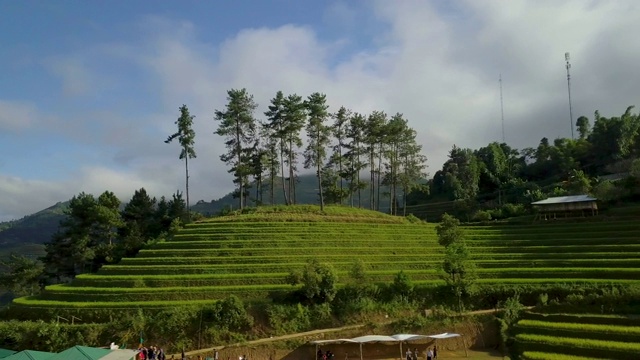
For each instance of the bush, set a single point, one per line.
(482, 215)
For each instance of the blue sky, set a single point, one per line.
(90, 89)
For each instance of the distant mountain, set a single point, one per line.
(306, 193)
(27, 235)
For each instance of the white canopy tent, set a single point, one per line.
(399, 338)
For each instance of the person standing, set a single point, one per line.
(435, 352)
(429, 354)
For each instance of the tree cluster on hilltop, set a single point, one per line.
(260, 151)
(498, 174)
(97, 232)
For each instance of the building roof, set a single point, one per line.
(30, 355)
(81, 353)
(385, 338)
(564, 200)
(6, 352)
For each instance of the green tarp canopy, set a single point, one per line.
(5, 352)
(81, 353)
(30, 355)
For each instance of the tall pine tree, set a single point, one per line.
(318, 134)
(185, 136)
(238, 127)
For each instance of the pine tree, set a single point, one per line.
(185, 136)
(318, 134)
(238, 126)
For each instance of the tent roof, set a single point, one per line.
(120, 354)
(6, 352)
(564, 200)
(81, 353)
(385, 338)
(30, 355)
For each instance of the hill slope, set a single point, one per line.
(26, 235)
(249, 254)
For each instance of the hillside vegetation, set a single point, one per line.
(250, 253)
(577, 336)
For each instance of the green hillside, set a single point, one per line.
(250, 255)
(577, 336)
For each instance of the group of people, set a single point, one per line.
(151, 353)
(324, 356)
(430, 354)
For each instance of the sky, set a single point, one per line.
(90, 90)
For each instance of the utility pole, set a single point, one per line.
(501, 108)
(566, 57)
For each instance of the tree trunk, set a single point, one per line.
(292, 190)
(320, 186)
(372, 179)
(186, 172)
(340, 169)
(272, 185)
(379, 177)
(284, 190)
(239, 166)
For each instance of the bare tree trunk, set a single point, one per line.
(320, 186)
(284, 190)
(186, 171)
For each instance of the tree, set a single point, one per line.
(372, 139)
(459, 271)
(341, 119)
(20, 275)
(318, 281)
(449, 231)
(270, 141)
(185, 136)
(396, 132)
(238, 126)
(318, 134)
(294, 120)
(583, 127)
(355, 133)
(277, 131)
(462, 174)
(412, 165)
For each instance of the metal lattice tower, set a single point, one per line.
(501, 108)
(566, 57)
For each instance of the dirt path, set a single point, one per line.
(313, 332)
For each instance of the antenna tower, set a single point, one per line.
(566, 57)
(501, 107)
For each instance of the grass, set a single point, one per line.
(250, 252)
(536, 355)
(560, 336)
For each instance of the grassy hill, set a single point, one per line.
(577, 336)
(249, 254)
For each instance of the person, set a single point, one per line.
(429, 354)
(415, 353)
(183, 356)
(408, 354)
(215, 355)
(435, 352)
(319, 354)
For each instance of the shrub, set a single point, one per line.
(482, 215)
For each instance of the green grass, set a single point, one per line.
(251, 253)
(580, 343)
(536, 355)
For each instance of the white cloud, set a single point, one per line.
(16, 115)
(72, 71)
(437, 64)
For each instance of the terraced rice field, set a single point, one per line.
(578, 336)
(250, 256)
